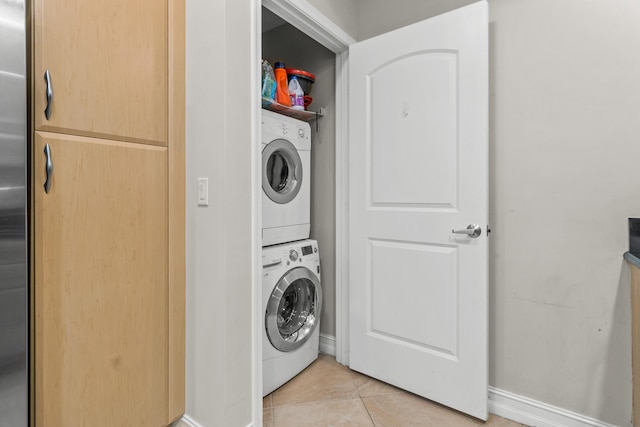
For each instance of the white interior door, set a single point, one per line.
(418, 161)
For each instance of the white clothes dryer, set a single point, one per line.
(286, 189)
(291, 303)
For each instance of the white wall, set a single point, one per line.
(566, 123)
(380, 16)
(219, 146)
(565, 144)
(343, 13)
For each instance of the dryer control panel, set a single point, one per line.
(290, 130)
(276, 126)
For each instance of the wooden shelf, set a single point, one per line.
(304, 115)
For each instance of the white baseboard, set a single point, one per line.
(536, 414)
(185, 421)
(328, 345)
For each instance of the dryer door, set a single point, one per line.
(281, 171)
(293, 310)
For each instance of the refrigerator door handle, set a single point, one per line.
(47, 78)
(48, 168)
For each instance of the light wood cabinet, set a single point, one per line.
(107, 240)
(103, 54)
(101, 287)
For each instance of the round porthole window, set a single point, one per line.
(282, 172)
(293, 310)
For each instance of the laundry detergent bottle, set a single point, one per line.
(296, 93)
(282, 88)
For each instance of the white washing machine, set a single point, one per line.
(291, 303)
(286, 189)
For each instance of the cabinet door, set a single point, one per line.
(101, 283)
(108, 66)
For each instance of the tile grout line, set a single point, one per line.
(273, 417)
(373, 423)
(352, 380)
(368, 413)
(317, 401)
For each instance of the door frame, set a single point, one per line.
(306, 18)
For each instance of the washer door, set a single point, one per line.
(293, 310)
(281, 171)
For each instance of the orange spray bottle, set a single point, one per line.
(282, 86)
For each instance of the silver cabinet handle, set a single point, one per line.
(472, 230)
(48, 168)
(47, 78)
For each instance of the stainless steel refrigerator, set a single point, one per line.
(13, 199)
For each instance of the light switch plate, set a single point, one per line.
(203, 191)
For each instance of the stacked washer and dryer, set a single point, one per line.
(292, 291)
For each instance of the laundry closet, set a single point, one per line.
(414, 240)
(283, 42)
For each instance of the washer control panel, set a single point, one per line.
(289, 254)
(303, 253)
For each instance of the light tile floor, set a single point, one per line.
(327, 394)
